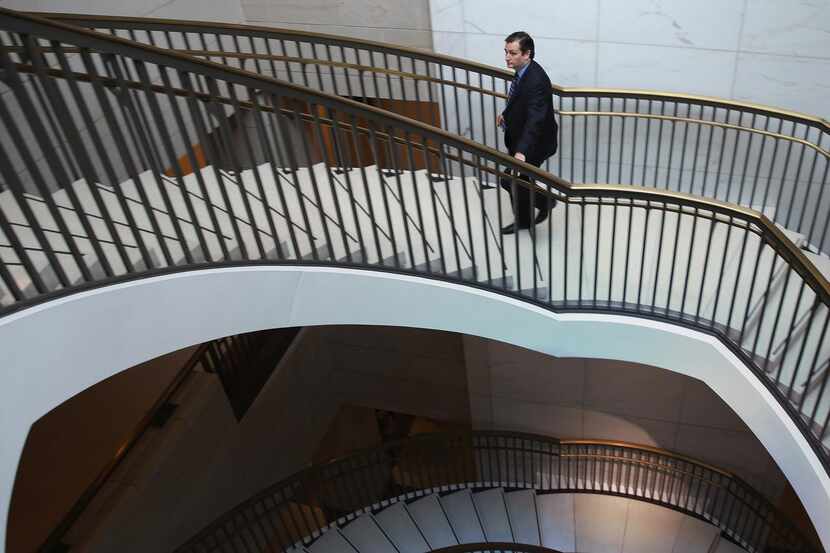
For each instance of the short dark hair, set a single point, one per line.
(524, 40)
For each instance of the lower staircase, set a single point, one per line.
(564, 522)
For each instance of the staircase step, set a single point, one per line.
(429, 516)
(463, 517)
(367, 537)
(331, 541)
(556, 521)
(492, 511)
(398, 525)
(726, 546)
(695, 536)
(521, 507)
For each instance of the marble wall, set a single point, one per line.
(772, 52)
(512, 388)
(404, 22)
(204, 10)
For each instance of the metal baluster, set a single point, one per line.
(739, 199)
(277, 102)
(643, 257)
(738, 135)
(585, 141)
(371, 209)
(610, 140)
(634, 141)
(795, 181)
(265, 144)
(347, 173)
(414, 183)
(42, 140)
(820, 245)
(373, 143)
(761, 158)
(318, 133)
(396, 168)
(795, 321)
(87, 166)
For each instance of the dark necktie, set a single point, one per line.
(512, 87)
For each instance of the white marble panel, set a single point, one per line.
(412, 38)
(791, 28)
(702, 24)
(206, 10)
(537, 418)
(504, 353)
(446, 15)
(406, 14)
(140, 7)
(307, 11)
(799, 84)
(567, 62)
(600, 522)
(551, 19)
(449, 43)
(550, 380)
(481, 412)
(701, 406)
(650, 529)
(607, 426)
(401, 14)
(664, 68)
(694, 536)
(723, 448)
(628, 389)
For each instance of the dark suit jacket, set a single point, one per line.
(530, 125)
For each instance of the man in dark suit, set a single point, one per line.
(529, 125)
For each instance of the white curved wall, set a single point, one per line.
(51, 352)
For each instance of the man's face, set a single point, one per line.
(513, 56)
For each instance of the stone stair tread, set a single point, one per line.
(521, 508)
(365, 536)
(332, 541)
(492, 511)
(430, 518)
(401, 530)
(556, 521)
(463, 517)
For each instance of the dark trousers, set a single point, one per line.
(523, 211)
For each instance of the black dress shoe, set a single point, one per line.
(511, 228)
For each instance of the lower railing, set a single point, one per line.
(495, 547)
(295, 511)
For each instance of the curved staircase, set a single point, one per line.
(120, 159)
(434, 491)
(564, 522)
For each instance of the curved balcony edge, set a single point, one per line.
(137, 315)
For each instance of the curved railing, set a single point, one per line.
(103, 138)
(772, 160)
(296, 510)
(495, 547)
